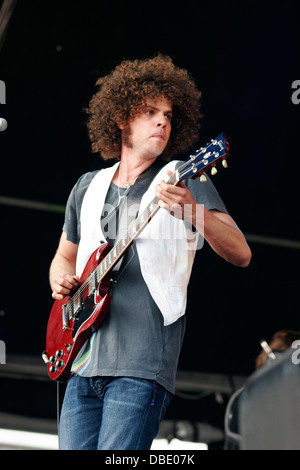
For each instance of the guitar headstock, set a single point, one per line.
(204, 158)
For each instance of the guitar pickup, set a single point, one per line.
(76, 310)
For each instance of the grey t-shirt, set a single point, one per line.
(132, 340)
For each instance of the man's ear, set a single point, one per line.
(121, 125)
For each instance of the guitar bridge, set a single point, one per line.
(65, 317)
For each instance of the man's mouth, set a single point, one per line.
(159, 136)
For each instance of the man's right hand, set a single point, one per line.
(63, 284)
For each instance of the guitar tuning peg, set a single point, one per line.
(203, 178)
(214, 170)
(224, 163)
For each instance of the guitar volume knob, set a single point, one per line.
(59, 353)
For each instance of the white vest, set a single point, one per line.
(166, 247)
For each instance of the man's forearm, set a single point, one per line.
(224, 237)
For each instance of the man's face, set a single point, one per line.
(148, 133)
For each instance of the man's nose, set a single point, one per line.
(162, 121)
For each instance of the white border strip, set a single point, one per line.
(41, 441)
(28, 440)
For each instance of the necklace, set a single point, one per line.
(120, 198)
(126, 187)
(128, 183)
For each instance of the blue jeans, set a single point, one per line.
(111, 413)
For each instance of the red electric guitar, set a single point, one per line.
(73, 319)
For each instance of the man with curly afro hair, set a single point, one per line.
(143, 113)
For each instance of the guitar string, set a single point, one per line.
(79, 293)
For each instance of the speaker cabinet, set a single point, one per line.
(269, 410)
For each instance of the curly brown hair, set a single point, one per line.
(123, 94)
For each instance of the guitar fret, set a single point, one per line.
(112, 257)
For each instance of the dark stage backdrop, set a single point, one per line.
(245, 58)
